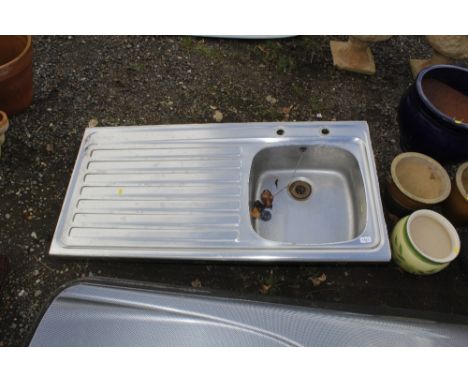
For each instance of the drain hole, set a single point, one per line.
(280, 132)
(325, 131)
(300, 190)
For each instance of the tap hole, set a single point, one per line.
(325, 131)
(279, 132)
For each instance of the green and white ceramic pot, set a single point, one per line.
(424, 242)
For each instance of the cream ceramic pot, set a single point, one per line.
(456, 205)
(417, 182)
(424, 242)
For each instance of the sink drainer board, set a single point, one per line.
(185, 192)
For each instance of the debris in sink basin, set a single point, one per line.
(255, 213)
(262, 209)
(267, 198)
(258, 211)
(258, 204)
(276, 183)
(265, 215)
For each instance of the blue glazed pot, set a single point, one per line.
(424, 128)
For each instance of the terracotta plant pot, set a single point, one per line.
(3, 128)
(424, 243)
(456, 205)
(15, 73)
(417, 181)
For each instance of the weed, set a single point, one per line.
(137, 67)
(199, 46)
(275, 53)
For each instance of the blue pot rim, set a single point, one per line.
(428, 103)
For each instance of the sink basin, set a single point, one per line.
(186, 192)
(319, 194)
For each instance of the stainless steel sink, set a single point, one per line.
(319, 194)
(186, 192)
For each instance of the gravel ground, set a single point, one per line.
(167, 80)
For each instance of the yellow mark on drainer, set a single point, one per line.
(458, 122)
(120, 191)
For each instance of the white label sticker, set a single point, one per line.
(365, 239)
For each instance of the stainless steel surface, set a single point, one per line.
(97, 315)
(335, 212)
(183, 192)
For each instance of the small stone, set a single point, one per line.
(346, 274)
(37, 293)
(392, 140)
(93, 122)
(49, 109)
(35, 272)
(21, 293)
(34, 235)
(167, 103)
(319, 116)
(218, 116)
(49, 147)
(7, 216)
(271, 99)
(196, 283)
